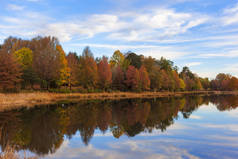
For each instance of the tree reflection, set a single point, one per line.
(42, 129)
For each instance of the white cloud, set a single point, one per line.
(231, 68)
(120, 47)
(15, 7)
(227, 54)
(231, 15)
(81, 29)
(230, 127)
(156, 24)
(195, 117)
(193, 64)
(167, 52)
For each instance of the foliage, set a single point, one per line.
(144, 79)
(132, 78)
(104, 74)
(24, 57)
(10, 73)
(118, 59)
(135, 60)
(42, 63)
(88, 70)
(73, 64)
(46, 62)
(64, 78)
(118, 77)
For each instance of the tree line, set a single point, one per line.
(41, 63)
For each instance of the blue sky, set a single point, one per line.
(200, 34)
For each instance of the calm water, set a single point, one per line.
(185, 127)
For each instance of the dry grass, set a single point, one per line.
(10, 153)
(17, 100)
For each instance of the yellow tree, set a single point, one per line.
(118, 59)
(24, 56)
(182, 84)
(64, 69)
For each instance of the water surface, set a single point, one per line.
(182, 127)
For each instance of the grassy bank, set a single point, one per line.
(17, 100)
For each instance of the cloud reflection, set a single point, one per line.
(139, 149)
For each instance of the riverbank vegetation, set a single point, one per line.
(42, 64)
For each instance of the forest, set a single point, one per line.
(42, 64)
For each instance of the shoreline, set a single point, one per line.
(20, 100)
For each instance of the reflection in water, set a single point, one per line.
(42, 129)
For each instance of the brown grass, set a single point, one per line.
(17, 100)
(10, 153)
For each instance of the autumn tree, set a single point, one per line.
(182, 84)
(12, 44)
(205, 83)
(164, 80)
(46, 60)
(176, 79)
(233, 84)
(223, 81)
(104, 74)
(153, 71)
(64, 69)
(118, 59)
(10, 73)
(88, 69)
(73, 64)
(155, 79)
(132, 78)
(148, 63)
(191, 80)
(118, 77)
(144, 78)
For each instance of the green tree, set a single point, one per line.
(135, 60)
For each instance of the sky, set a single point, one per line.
(200, 34)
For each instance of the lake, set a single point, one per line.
(189, 127)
